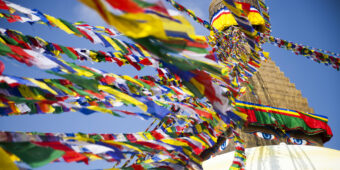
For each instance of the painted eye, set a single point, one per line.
(266, 136)
(224, 145)
(297, 141)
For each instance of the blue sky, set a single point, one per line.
(310, 22)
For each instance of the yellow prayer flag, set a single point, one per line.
(27, 93)
(2, 41)
(82, 72)
(198, 128)
(91, 156)
(80, 138)
(189, 153)
(123, 96)
(128, 78)
(143, 51)
(113, 44)
(136, 25)
(140, 25)
(174, 142)
(42, 85)
(199, 140)
(210, 135)
(59, 24)
(198, 85)
(149, 136)
(2, 104)
(123, 144)
(266, 54)
(99, 109)
(5, 161)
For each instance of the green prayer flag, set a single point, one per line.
(4, 49)
(68, 52)
(120, 46)
(87, 84)
(34, 155)
(9, 40)
(70, 26)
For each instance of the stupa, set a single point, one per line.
(273, 106)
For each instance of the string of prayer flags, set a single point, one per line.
(35, 16)
(192, 98)
(191, 14)
(244, 25)
(219, 41)
(265, 13)
(197, 87)
(239, 156)
(92, 33)
(82, 143)
(313, 54)
(28, 42)
(323, 56)
(101, 29)
(198, 84)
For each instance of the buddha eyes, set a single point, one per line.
(266, 136)
(296, 141)
(224, 145)
(290, 140)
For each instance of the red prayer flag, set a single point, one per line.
(145, 61)
(2, 67)
(3, 5)
(69, 156)
(125, 5)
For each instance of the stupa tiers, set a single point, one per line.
(271, 90)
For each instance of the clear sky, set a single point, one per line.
(310, 22)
